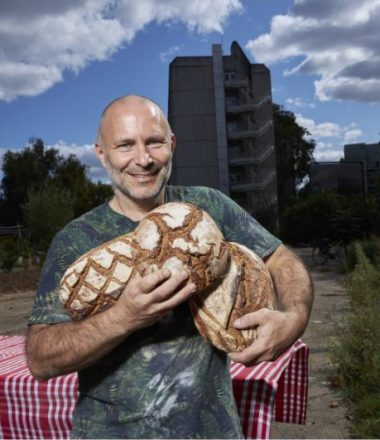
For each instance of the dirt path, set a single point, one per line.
(326, 417)
(14, 312)
(326, 413)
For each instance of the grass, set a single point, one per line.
(356, 351)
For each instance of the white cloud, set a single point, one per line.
(40, 40)
(319, 130)
(328, 156)
(351, 136)
(299, 102)
(167, 56)
(330, 137)
(336, 40)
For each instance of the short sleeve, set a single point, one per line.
(236, 224)
(240, 227)
(47, 308)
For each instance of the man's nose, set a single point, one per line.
(142, 156)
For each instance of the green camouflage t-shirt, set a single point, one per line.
(163, 381)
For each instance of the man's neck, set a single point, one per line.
(135, 210)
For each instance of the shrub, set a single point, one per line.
(356, 352)
(46, 211)
(9, 253)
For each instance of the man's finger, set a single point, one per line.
(151, 281)
(252, 319)
(252, 355)
(171, 285)
(178, 298)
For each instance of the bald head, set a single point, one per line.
(129, 103)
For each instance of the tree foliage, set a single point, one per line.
(46, 210)
(294, 152)
(325, 214)
(34, 167)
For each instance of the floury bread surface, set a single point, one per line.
(230, 279)
(246, 287)
(174, 236)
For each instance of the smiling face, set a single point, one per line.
(136, 148)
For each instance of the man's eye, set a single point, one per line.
(124, 147)
(155, 143)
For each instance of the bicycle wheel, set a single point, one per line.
(319, 256)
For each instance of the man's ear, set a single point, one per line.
(173, 141)
(99, 151)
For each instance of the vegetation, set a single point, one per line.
(35, 166)
(312, 216)
(294, 152)
(356, 352)
(42, 190)
(46, 211)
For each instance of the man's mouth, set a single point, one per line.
(144, 177)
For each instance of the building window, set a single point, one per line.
(229, 75)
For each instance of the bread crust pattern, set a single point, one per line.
(230, 279)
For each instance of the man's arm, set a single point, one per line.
(53, 350)
(278, 329)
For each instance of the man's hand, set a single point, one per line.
(275, 333)
(58, 349)
(146, 300)
(278, 329)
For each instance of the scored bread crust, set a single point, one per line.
(247, 287)
(180, 236)
(95, 281)
(176, 236)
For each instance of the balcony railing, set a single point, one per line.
(241, 185)
(235, 158)
(236, 83)
(241, 133)
(248, 106)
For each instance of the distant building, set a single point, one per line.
(340, 177)
(369, 155)
(220, 109)
(358, 172)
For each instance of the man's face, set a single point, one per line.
(137, 150)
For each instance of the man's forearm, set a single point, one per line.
(53, 350)
(293, 285)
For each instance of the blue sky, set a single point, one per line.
(62, 62)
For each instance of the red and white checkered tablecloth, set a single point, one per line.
(43, 410)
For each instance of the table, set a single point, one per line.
(35, 410)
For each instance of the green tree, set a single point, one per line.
(294, 152)
(46, 210)
(33, 167)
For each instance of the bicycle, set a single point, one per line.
(325, 250)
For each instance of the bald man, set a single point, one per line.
(141, 376)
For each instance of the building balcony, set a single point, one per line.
(236, 83)
(241, 185)
(242, 133)
(248, 106)
(235, 158)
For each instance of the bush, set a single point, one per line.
(9, 253)
(46, 211)
(371, 249)
(356, 353)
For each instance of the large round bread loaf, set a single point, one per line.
(230, 279)
(247, 287)
(182, 236)
(175, 236)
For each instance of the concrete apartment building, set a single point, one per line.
(358, 172)
(220, 109)
(369, 156)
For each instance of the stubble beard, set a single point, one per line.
(139, 194)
